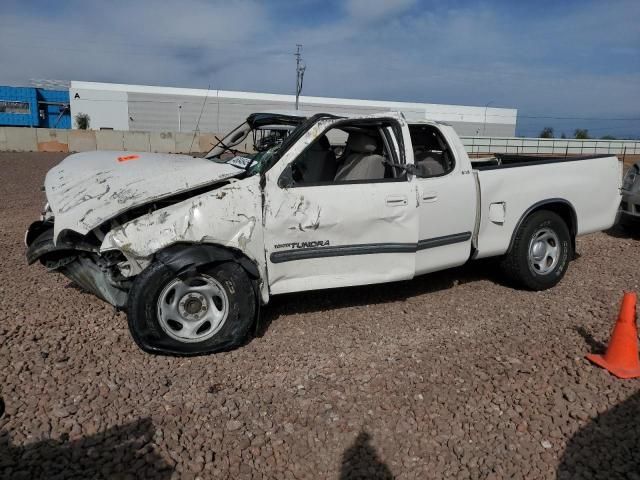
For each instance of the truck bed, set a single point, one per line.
(589, 185)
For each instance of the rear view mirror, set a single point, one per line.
(286, 178)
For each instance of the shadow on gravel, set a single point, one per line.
(360, 460)
(595, 345)
(119, 452)
(324, 300)
(618, 231)
(608, 447)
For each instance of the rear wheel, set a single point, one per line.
(207, 311)
(541, 251)
(629, 225)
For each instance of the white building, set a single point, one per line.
(146, 108)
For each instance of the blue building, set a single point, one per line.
(34, 107)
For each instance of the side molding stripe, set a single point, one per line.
(441, 241)
(366, 249)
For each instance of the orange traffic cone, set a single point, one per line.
(621, 358)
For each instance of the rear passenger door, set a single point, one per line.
(447, 200)
(339, 233)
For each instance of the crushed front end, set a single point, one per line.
(79, 259)
(92, 193)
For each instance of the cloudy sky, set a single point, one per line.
(564, 64)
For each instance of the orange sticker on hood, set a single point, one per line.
(126, 158)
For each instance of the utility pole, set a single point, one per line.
(300, 68)
(484, 125)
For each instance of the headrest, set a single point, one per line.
(361, 143)
(321, 144)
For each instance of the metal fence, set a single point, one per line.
(547, 146)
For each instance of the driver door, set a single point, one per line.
(337, 234)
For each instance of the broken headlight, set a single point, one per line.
(46, 214)
(630, 178)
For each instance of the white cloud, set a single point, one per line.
(147, 41)
(544, 63)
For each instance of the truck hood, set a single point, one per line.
(86, 189)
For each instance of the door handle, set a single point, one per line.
(396, 200)
(430, 196)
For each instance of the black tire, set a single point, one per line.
(623, 226)
(142, 310)
(627, 225)
(516, 263)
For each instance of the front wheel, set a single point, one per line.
(209, 310)
(541, 251)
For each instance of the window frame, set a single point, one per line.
(444, 139)
(383, 123)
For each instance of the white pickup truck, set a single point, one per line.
(191, 247)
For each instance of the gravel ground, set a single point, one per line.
(450, 375)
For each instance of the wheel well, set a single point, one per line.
(560, 207)
(181, 257)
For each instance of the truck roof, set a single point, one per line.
(294, 117)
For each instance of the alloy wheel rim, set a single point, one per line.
(544, 251)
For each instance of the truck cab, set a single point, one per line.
(397, 192)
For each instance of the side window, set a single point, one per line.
(351, 152)
(431, 153)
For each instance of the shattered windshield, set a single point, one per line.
(252, 145)
(255, 145)
(252, 163)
